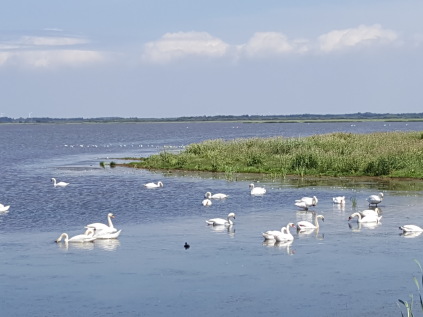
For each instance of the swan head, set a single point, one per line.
(251, 185)
(356, 214)
(207, 195)
(62, 236)
(89, 231)
(321, 217)
(110, 215)
(53, 179)
(160, 184)
(231, 215)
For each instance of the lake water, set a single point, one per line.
(342, 270)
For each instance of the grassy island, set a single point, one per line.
(389, 154)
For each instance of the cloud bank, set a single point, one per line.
(61, 51)
(47, 52)
(173, 46)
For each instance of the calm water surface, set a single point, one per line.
(341, 270)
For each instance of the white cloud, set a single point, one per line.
(182, 44)
(51, 41)
(31, 51)
(263, 44)
(347, 38)
(53, 58)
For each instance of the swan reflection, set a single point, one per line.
(80, 246)
(285, 245)
(339, 207)
(281, 245)
(411, 234)
(107, 244)
(357, 226)
(227, 229)
(310, 232)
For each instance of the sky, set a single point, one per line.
(173, 58)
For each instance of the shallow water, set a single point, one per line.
(342, 270)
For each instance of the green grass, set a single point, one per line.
(390, 154)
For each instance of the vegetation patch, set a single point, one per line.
(390, 154)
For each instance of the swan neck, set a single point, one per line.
(110, 222)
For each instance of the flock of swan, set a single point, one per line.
(368, 216)
(93, 232)
(96, 231)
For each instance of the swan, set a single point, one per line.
(221, 221)
(370, 212)
(301, 204)
(304, 225)
(309, 201)
(367, 218)
(411, 228)
(206, 202)
(153, 185)
(103, 234)
(4, 208)
(88, 236)
(339, 200)
(285, 235)
(270, 234)
(215, 196)
(375, 199)
(58, 184)
(257, 190)
(103, 227)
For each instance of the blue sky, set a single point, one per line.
(160, 58)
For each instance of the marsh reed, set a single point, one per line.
(392, 154)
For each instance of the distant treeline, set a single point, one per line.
(245, 118)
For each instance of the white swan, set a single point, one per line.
(367, 218)
(58, 184)
(153, 185)
(4, 208)
(411, 228)
(257, 190)
(304, 225)
(88, 236)
(103, 234)
(221, 221)
(339, 200)
(103, 227)
(285, 235)
(270, 234)
(206, 202)
(309, 201)
(215, 196)
(375, 199)
(301, 204)
(370, 212)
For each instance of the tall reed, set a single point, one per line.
(393, 154)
